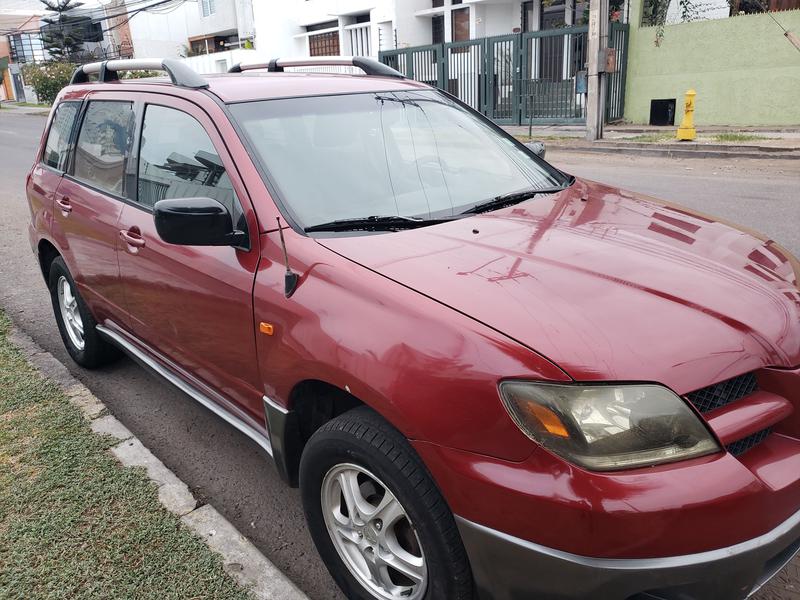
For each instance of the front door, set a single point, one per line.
(19, 88)
(192, 304)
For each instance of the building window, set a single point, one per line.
(580, 13)
(460, 23)
(437, 29)
(207, 7)
(554, 16)
(437, 3)
(324, 44)
(215, 43)
(26, 47)
(527, 16)
(320, 26)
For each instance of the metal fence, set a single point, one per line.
(534, 77)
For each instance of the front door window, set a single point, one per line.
(178, 160)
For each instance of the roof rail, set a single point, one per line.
(370, 66)
(107, 70)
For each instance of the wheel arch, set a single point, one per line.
(312, 403)
(46, 253)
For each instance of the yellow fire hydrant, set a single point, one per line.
(687, 132)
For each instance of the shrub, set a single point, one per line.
(48, 78)
(139, 74)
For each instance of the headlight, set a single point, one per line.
(608, 427)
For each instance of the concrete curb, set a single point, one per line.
(697, 146)
(241, 559)
(670, 152)
(26, 110)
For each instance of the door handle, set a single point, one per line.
(132, 238)
(65, 205)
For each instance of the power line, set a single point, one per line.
(131, 9)
(131, 14)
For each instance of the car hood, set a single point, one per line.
(607, 284)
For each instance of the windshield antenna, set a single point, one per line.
(290, 278)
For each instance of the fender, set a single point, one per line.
(430, 371)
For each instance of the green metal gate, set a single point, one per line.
(552, 61)
(502, 56)
(615, 91)
(518, 78)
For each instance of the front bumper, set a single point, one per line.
(506, 568)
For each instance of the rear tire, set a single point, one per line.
(400, 539)
(75, 323)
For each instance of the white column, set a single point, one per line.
(448, 24)
(344, 39)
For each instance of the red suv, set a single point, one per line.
(488, 378)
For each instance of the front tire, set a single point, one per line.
(75, 323)
(377, 518)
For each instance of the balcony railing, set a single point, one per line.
(358, 37)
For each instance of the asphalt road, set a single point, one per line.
(227, 469)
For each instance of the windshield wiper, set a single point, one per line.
(512, 198)
(375, 223)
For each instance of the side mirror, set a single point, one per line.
(196, 222)
(536, 147)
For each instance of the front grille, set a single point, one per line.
(739, 447)
(725, 392)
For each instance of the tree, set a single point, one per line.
(61, 36)
(654, 12)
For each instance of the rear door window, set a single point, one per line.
(57, 144)
(104, 145)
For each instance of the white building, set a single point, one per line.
(196, 28)
(365, 27)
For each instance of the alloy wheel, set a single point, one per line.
(373, 534)
(68, 303)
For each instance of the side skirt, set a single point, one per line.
(160, 368)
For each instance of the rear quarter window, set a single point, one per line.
(57, 145)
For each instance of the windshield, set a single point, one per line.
(408, 154)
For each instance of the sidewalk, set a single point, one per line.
(36, 109)
(711, 142)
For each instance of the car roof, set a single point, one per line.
(255, 85)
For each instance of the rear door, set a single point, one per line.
(89, 201)
(192, 304)
(45, 177)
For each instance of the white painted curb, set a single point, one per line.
(241, 559)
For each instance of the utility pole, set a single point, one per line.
(598, 42)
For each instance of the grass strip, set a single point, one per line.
(74, 523)
(739, 137)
